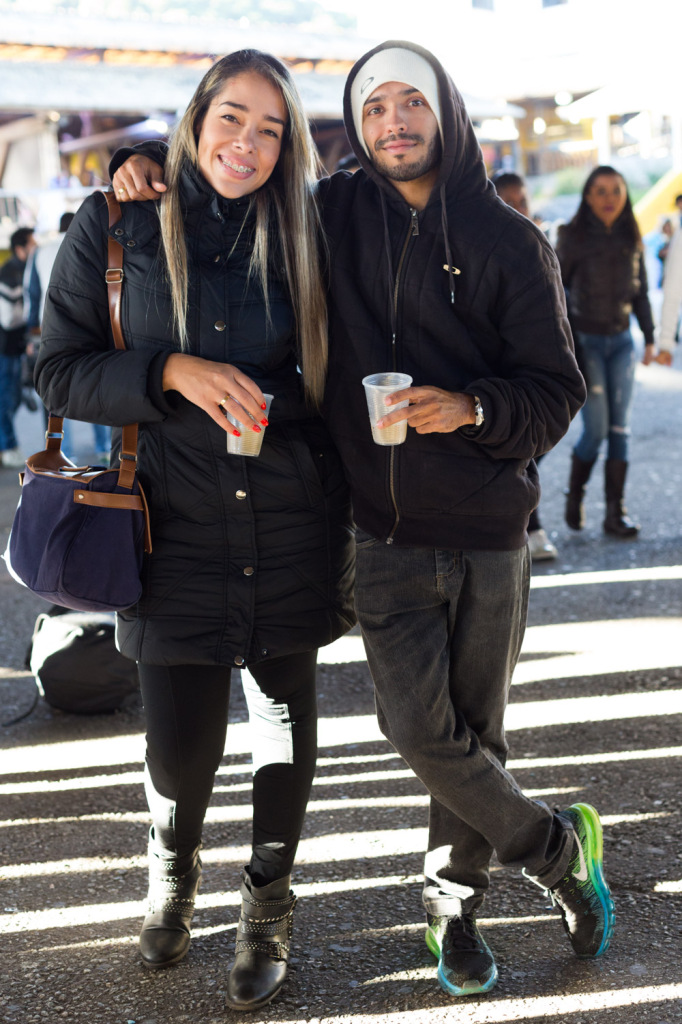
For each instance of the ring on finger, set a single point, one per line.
(122, 191)
(224, 400)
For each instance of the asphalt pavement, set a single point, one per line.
(595, 715)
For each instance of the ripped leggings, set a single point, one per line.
(186, 708)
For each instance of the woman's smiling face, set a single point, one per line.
(241, 135)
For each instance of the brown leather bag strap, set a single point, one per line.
(114, 279)
(114, 274)
(54, 433)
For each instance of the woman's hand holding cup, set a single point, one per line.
(217, 388)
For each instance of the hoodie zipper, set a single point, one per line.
(413, 231)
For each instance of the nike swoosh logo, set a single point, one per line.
(581, 875)
(366, 84)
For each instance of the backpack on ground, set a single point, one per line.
(77, 668)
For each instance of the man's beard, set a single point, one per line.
(408, 171)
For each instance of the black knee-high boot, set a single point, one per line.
(262, 950)
(580, 474)
(173, 886)
(617, 522)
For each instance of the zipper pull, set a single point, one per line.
(415, 222)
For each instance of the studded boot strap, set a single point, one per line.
(265, 926)
(170, 892)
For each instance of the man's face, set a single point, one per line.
(516, 197)
(401, 132)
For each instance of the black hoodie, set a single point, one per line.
(506, 339)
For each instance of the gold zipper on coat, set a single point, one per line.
(414, 230)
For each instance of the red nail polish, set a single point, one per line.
(256, 428)
(236, 433)
(264, 405)
(264, 422)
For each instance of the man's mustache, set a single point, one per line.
(380, 143)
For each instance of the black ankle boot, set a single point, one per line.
(165, 935)
(580, 474)
(617, 522)
(262, 950)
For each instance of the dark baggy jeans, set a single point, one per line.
(186, 710)
(443, 632)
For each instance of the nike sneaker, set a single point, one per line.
(582, 895)
(465, 964)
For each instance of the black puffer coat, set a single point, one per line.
(605, 276)
(252, 557)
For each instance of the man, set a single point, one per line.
(12, 342)
(511, 188)
(432, 275)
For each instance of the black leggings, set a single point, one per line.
(186, 709)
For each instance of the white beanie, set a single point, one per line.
(393, 65)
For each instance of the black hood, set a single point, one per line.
(462, 170)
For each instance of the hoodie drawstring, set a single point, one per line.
(448, 254)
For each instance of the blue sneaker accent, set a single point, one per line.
(582, 895)
(465, 963)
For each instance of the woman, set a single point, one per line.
(253, 558)
(602, 266)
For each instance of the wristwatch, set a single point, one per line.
(478, 411)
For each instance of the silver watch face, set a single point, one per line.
(478, 410)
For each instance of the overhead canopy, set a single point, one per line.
(67, 86)
(626, 96)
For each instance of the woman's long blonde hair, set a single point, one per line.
(285, 208)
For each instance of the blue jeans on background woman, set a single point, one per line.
(608, 361)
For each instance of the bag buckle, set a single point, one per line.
(127, 456)
(49, 434)
(114, 276)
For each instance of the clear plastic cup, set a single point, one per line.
(250, 441)
(377, 387)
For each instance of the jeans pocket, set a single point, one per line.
(364, 540)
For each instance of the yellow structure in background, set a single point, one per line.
(659, 201)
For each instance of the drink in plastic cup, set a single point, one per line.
(377, 387)
(250, 441)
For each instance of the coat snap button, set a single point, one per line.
(219, 325)
(239, 660)
(131, 244)
(240, 495)
(119, 231)
(249, 570)
(216, 259)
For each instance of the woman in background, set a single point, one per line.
(602, 266)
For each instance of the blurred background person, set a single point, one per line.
(602, 265)
(511, 188)
(669, 327)
(349, 162)
(12, 341)
(662, 245)
(678, 204)
(36, 280)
